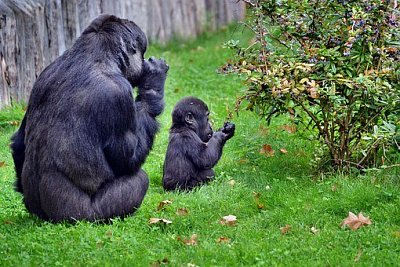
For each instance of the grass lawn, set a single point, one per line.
(268, 193)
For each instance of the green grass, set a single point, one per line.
(289, 192)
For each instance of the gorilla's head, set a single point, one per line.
(192, 113)
(121, 40)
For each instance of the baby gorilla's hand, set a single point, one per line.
(228, 129)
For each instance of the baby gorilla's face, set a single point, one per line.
(205, 130)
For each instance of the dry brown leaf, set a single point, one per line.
(313, 89)
(159, 221)
(355, 222)
(182, 212)
(2, 164)
(289, 128)
(162, 204)
(285, 229)
(313, 92)
(14, 123)
(223, 239)
(159, 263)
(228, 220)
(192, 241)
(231, 182)
(267, 150)
(257, 199)
(283, 150)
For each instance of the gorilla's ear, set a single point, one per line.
(189, 118)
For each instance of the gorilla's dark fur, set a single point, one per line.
(84, 137)
(193, 147)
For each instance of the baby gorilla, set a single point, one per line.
(193, 147)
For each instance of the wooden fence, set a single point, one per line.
(34, 32)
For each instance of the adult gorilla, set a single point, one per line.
(84, 137)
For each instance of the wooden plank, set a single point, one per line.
(35, 32)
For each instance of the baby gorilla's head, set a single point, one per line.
(192, 113)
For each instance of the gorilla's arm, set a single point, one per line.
(131, 144)
(131, 131)
(150, 98)
(18, 152)
(206, 155)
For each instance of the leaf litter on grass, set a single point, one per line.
(229, 220)
(192, 241)
(267, 150)
(355, 222)
(159, 221)
(163, 204)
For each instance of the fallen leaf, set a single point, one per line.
(285, 229)
(396, 234)
(267, 150)
(2, 164)
(231, 182)
(14, 123)
(162, 204)
(289, 128)
(8, 222)
(283, 150)
(314, 230)
(159, 221)
(182, 212)
(223, 239)
(228, 220)
(355, 222)
(159, 263)
(257, 199)
(192, 241)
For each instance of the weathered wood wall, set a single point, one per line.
(34, 32)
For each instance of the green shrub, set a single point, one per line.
(333, 66)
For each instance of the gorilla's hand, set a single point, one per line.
(228, 129)
(154, 74)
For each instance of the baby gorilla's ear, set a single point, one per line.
(189, 118)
